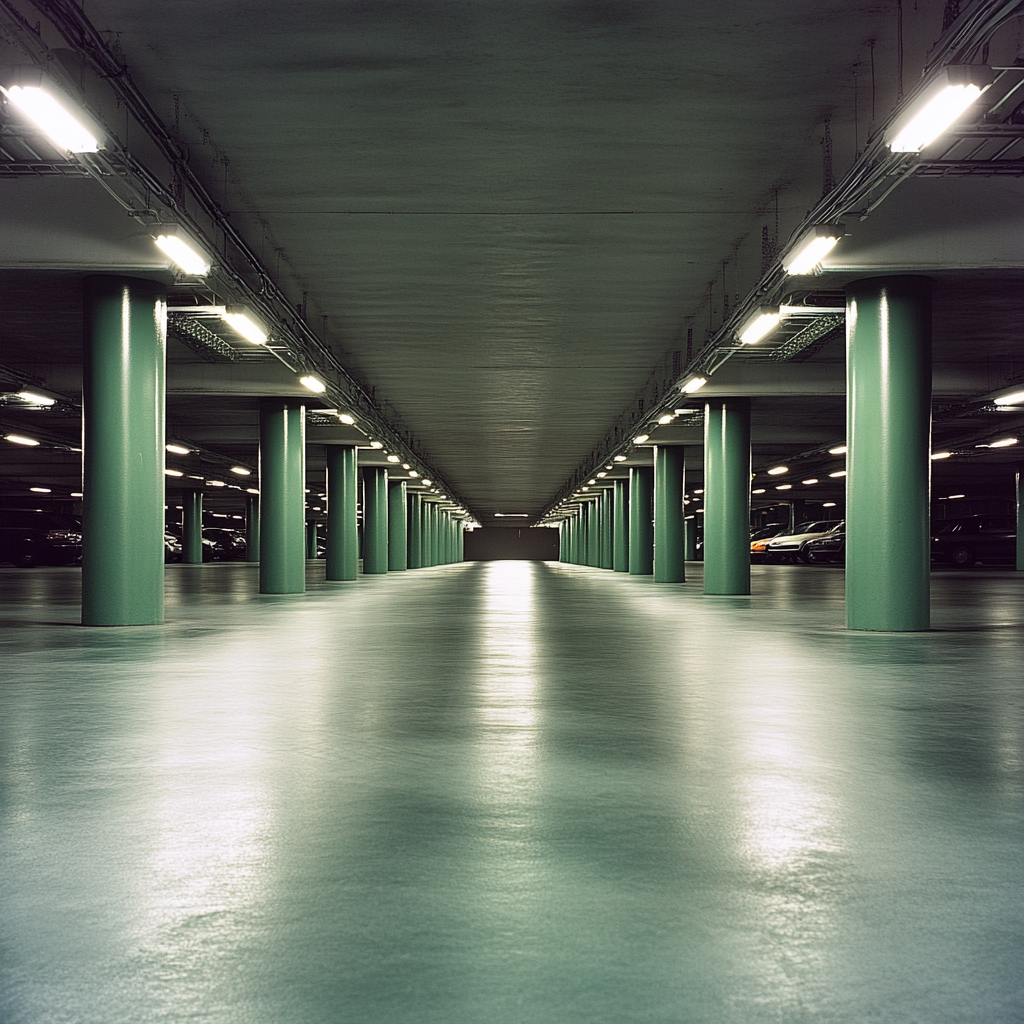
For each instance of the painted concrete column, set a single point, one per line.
(606, 514)
(398, 538)
(282, 496)
(669, 480)
(192, 527)
(429, 552)
(375, 520)
(1020, 520)
(689, 537)
(620, 526)
(252, 528)
(727, 496)
(888, 434)
(342, 512)
(641, 525)
(312, 538)
(593, 534)
(123, 452)
(414, 530)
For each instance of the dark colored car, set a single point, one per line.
(790, 547)
(29, 537)
(962, 542)
(175, 530)
(227, 544)
(172, 548)
(827, 550)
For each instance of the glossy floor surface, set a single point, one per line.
(511, 792)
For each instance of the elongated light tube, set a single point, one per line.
(811, 249)
(694, 384)
(759, 325)
(183, 255)
(31, 396)
(313, 383)
(245, 327)
(64, 130)
(934, 118)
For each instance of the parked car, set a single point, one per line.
(172, 548)
(29, 537)
(827, 550)
(228, 545)
(790, 547)
(759, 540)
(209, 548)
(963, 541)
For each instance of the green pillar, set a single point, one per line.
(282, 496)
(888, 433)
(252, 528)
(669, 484)
(123, 452)
(689, 537)
(342, 512)
(727, 496)
(375, 520)
(1020, 521)
(620, 527)
(606, 514)
(192, 527)
(579, 539)
(414, 527)
(398, 539)
(593, 533)
(312, 538)
(641, 525)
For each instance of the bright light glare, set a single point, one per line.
(640, 438)
(810, 480)
(177, 449)
(426, 482)
(216, 483)
(784, 487)
(828, 504)
(183, 255)
(667, 418)
(30, 396)
(694, 384)
(757, 328)
(778, 470)
(173, 472)
(957, 496)
(809, 255)
(314, 384)
(241, 470)
(619, 458)
(245, 327)
(838, 473)
(602, 473)
(393, 458)
(1017, 398)
(40, 490)
(934, 118)
(758, 490)
(413, 473)
(840, 450)
(52, 119)
(18, 439)
(346, 418)
(1005, 443)
(940, 455)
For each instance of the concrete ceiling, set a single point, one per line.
(502, 215)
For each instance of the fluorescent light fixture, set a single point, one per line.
(216, 483)
(828, 504)
(940, 455)
(784, 487)
(346, 418)
(77, 494)
(778, 470)
(313, 383)
(178, 449)
(591, 482)
(957, 496)
(183, 255)
(699, 491)
(31, 396)
(1004, 443)
(1017, 398)
(840, 450)
(758, 325)
(805, 257)
(837, 474)
(619, 458)
(64, 130)
(240, 321)
(376, 444)
(18, 439)
(173, 472)
(511, 515)
(405, 465)
(758, 490)
(959, 86)
(426, 482)
(694, 384)
(251, 490)
(394, 458)
(602, 474)
(413, 473)
(640, 438)
(809, 481)
(241, 471)
(667, 418)
(40, 490)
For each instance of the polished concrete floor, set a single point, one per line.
(511, 792)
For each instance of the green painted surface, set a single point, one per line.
(252, 528)
(375, 520)
(593, 533)
(282, 496)
(342, 512)
(727, 496)
(312, 537)
(620, 526)
(192, 527)
(1020, 523)
(429, 533)
(414, 527)
(669, 483)
(398, 537)
(123, 452)
(641, 526)
(607, 526)
(888, 396)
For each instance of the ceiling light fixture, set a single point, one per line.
(31, 396)
(184, 256)
(784, 487)
(619, 458)
(940, 455)
(238, 318)
(413, 473)
(19, 439)
(173, 472)
(694, 384)
(956, 89)
(667, 418)
(758, 325)
(376, 444)
(313, 383)
(178, 449)
(346, 418)
(61, 127)
(828, 504)
(640, 438)
(1017, 398)
(839, 450)
(216, 483)
(809, 481)
(805, 257)
(778, 470)
(394, 458)
(837, 474)
(251, 490)
(241, 471)
(957, 496)
(426, 482)
(1004, 443)
(602, 473)
(758, 490)
(40, 490)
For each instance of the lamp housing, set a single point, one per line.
(954, 90)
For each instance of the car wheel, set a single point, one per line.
(962, 557)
